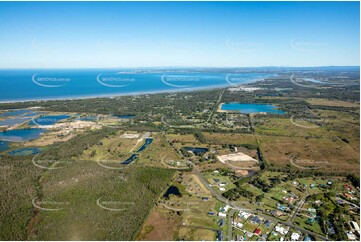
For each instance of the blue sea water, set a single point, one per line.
(20, 85)
(251, 108)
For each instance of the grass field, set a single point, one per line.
(328, 155)
(333, 103)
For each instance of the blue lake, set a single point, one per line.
(41, 84)
(251, 108)
(87, 118)
(126, 116)
(25, 151)
(19, 135)
(48, 119)
(18, 112)
(13, 121)
(196, 150)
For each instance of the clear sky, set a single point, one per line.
(136, 34)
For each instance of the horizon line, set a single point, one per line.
(159, 67)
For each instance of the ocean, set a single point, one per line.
(48, 84)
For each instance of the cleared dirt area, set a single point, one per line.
(160, 225)
(236, 157)
(330, 155)
(196, 185)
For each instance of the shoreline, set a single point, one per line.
(115, 95)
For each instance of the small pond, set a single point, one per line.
(172, 190)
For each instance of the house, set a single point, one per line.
(276, 213)
(354, 226)
(348, 195)
(257, 232)
(222, 215)
(350, 236)
(295, 236)
(216, 180)
(329, 182)
(239, 225)
(211, 213)
(216, 172)
(219, 235)
(310, 221)
(222, 189)
(312, 185)
(255, 220)
(244, 215)
(347, 187)
(267, 224)
(281, 207)
(221, 222)
(205, 198)
(307, 238)
(282, 230)
(225, 208)
(311, 210)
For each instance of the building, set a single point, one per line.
(349, 196)
(267, 224)
(295, 236)
(222, 215)
(239, 225)
(244, 215)
(347, 187)
(307, 238)
(258, 232)
(221, 222)
(350, 236)
(219, 235)
(280, 229)
(255, 220)
(354, 226)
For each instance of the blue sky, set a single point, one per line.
(135, 34)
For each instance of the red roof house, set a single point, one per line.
(258, 232)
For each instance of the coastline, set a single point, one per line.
(115, 95)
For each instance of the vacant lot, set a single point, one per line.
(236, 139)
(161, 224)
(334, 103)
(327, 155)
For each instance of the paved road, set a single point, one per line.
(226, 201)
(300, 205)
(230, 227)
(236, 207)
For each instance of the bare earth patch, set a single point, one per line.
(160, 225)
